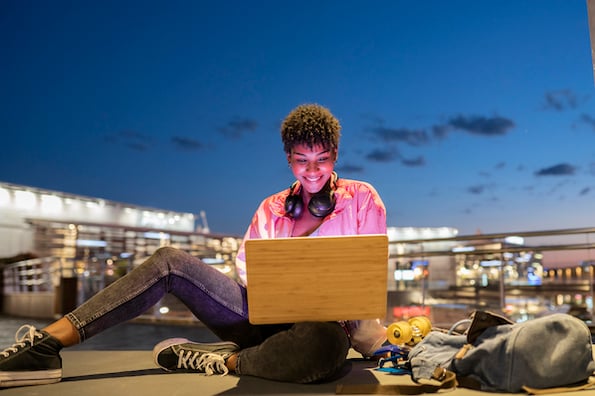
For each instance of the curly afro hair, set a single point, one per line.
(312, 125)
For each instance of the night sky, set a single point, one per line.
(477, 115)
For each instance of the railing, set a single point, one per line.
(540, 236)
(35, 275)
(475, 270)
(513, 272)
(39, 288)
(49, 286)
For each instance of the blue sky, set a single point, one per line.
(477, 115)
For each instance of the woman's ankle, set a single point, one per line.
(64, 331)
(231, 362)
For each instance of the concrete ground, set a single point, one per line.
(131, 373)
(119, 362)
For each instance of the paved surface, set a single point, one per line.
(119, 362)
(126, 336)
(132, 373)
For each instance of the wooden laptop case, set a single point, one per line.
(317, 278)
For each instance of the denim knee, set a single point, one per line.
(307, 352)
(327, 350)
(164, 252)
(167, 258)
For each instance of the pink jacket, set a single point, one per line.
(358, 210)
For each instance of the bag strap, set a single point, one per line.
(536, 391)
(442, 380)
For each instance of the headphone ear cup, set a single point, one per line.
(322, 204)
(294, 205)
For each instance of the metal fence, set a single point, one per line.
(504, 271)
(35, 275)
(523, 274)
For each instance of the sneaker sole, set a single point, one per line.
(163, 345)
(24, 378)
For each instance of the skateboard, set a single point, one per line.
(410, 332)
(402, 336)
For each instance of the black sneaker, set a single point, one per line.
(180, 354)
(33, 360)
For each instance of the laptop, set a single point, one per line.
(317, 278)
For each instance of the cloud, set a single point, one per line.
(560, 100)
(379, 155)
(412, 137)
(393, 138)
(433, 193)
(558, 187)
(480, 125)
(589, 120)
(562, 169)
(237, 127)
(138, 146)
(128, 134)
(475, 125)
(349, 168)
(376, 119)
(130, 139)
(186, 143)
(477, 189)
(414, 162)
(440, 131)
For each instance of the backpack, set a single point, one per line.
(498, 355)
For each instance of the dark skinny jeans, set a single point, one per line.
(302, 352)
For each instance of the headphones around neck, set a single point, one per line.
(321, 204)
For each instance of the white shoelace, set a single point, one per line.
(210, 363)
(25, 333)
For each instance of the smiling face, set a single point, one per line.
(312, 166)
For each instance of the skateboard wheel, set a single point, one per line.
(399, 333)
(422, 323)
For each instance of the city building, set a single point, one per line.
(58, 249)
(87, 243)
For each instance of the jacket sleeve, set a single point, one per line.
(371, 215)
(251, 233)
(366, 336)
(241, 261)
